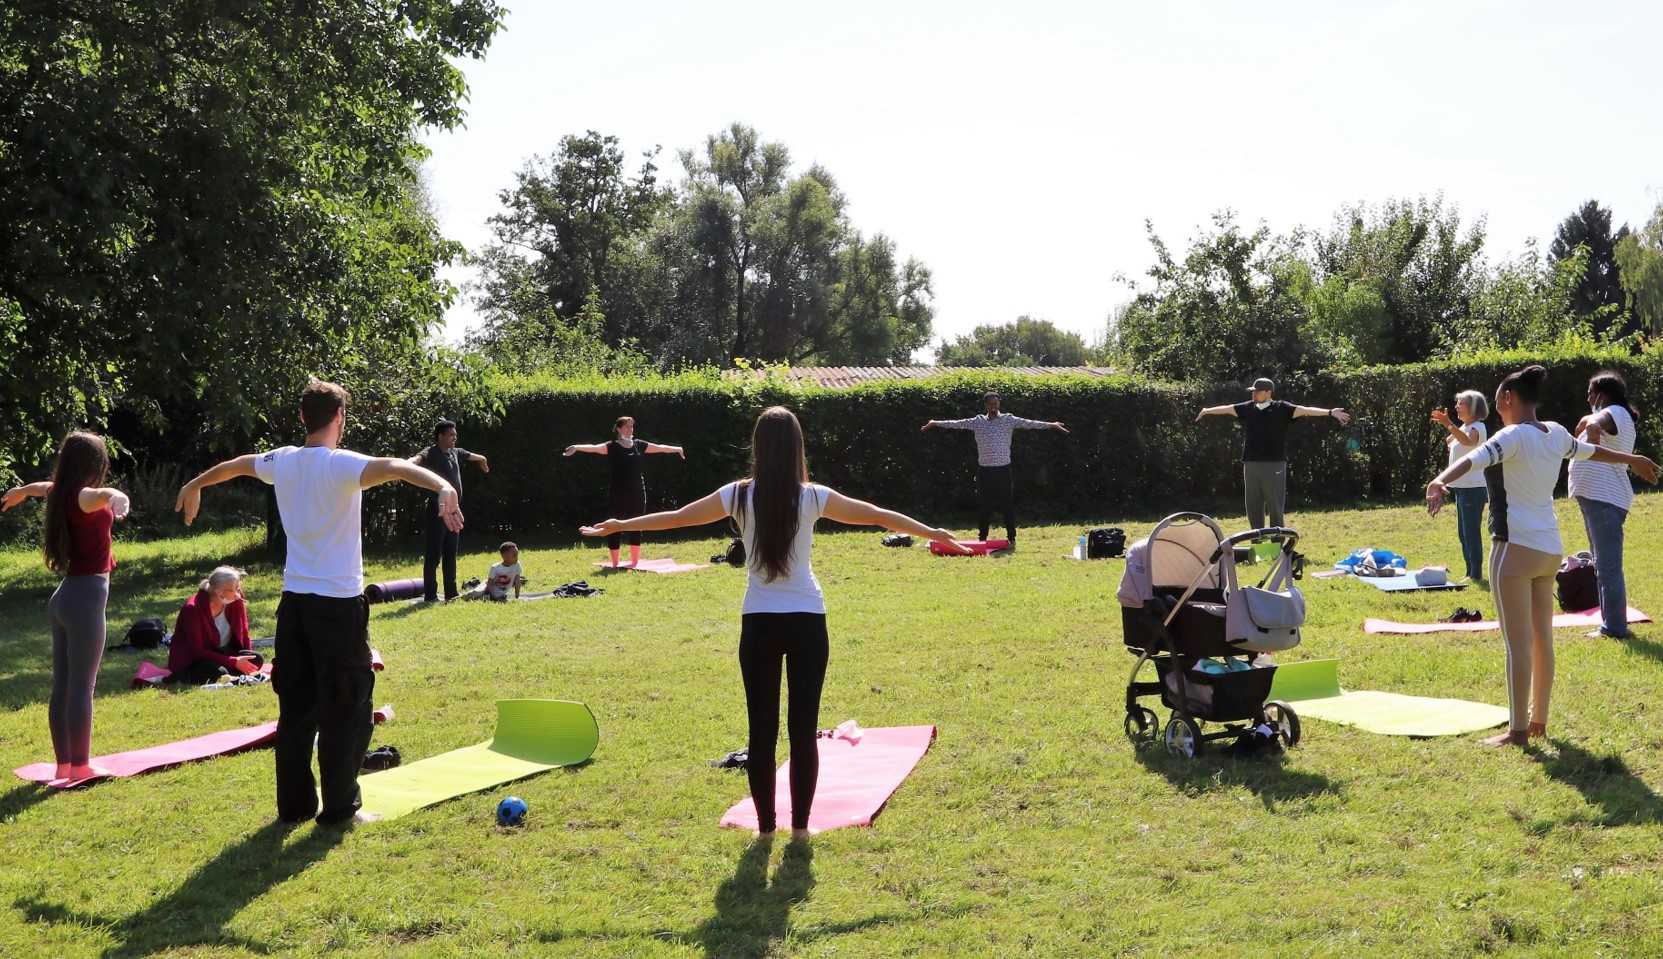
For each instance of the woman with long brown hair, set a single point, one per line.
(783, 619)
(79, 513)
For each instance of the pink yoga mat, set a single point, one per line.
(138, 761)
(856, 779)
(1589, 617)
(665, 565)
(977, 547)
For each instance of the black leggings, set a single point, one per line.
(627, 504)
(997, 492)
(799, 641)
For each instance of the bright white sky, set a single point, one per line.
(1018, 148)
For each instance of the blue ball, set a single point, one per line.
(511, 811)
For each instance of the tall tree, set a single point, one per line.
(1026, 342)
(1599, 292)
(1228, 310)
(202, 199)
(1640, 257)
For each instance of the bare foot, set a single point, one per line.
(801, 835)
(89, 771)
(1509, 738)
(1536, 731)
(364, 815)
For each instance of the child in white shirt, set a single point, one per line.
(504, 576)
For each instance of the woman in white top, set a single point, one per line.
(1521, 465)
(1604, 494)
(1470, 492)
(784, 613)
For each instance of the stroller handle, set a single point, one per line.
(1281, 534)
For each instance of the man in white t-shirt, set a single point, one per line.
(322, 671)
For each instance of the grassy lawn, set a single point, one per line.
(1031, 827)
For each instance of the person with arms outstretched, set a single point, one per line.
(80, 513)
(994, 485)
(445, 458)
(1521, 465)
(322, 673)
(1264, 455)
(623, 454)
(783, 619)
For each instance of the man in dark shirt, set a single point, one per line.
(445, 458)
(1264, 455)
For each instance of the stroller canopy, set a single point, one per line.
(1178, 551)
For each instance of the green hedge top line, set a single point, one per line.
(1134, 447)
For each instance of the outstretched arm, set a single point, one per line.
(484, 464)
(854, 512)
(707, 509)
(1227, 409)
(585, 448)
(387, 469)
(18, 494)
(190, 495)
(1022, 423)
(963, 424)
(1641, 465)
(1336, 412)
(661, 448)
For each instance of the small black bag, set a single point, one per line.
(735, 553)
(1577, 583)
(145, 634)
(897, 539)
(1105, 543)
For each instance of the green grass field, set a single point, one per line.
(1032, 827)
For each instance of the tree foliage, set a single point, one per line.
(1026, 342)
(1599, 291)
(202, 203)
(744, 259)
(1640, 258)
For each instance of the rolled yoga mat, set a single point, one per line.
(533, 736)
(1313, 687)
(393, 591)
(1582, 620)
(665, 565)
(122, 765)
(856, 779)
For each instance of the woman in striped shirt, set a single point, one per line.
(1604, 494)
(1521, 465)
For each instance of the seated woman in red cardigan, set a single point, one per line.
(210, 638)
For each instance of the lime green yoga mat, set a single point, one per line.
(1313, 687)
(533, 736)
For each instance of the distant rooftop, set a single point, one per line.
(839, 376)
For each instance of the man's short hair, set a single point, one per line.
(440, 427)
(989, 395)
(319, 403)
(505, 547)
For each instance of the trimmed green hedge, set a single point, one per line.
(1134, 445)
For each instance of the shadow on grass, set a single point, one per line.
(1650, 649)
(1604, 781)
(1267, 777)
(753, 915)
(195, 914)
(13, 803)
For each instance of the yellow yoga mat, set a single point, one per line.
(1313, 687)
(533, 736)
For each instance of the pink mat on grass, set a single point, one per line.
(139, 761)
(665, 565)
(977, 547)
(856, 779)
(1588, 617)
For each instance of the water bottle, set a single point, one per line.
(1082, 546)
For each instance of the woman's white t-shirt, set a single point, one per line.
(1521, 463)
(224, 626)
(797, 591)
(1457, 449)
(1608, 482)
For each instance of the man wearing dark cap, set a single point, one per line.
(993, 459)
(1264, 455)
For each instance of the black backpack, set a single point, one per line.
(1105, 543)
(1577, 583)
(144, 634)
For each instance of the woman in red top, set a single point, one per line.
(210, 637)
(79, 514)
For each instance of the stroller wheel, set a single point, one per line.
(1142, 725)
(1281, 717)
(1183, 737)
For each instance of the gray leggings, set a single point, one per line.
(76, 611)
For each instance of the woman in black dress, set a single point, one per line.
(629, 488)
